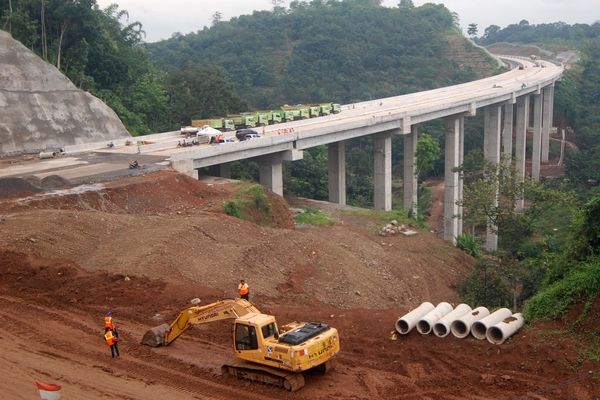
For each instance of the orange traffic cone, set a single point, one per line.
(48, 391)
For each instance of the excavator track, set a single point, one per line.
(257, 373)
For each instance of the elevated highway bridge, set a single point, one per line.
(511, 102)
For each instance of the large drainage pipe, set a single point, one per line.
(426, 323)
(479, 328)
(462, 326)
(498, 333)
(406, 323)
(442, 327)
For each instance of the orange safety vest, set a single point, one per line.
(108, 322)
(110, 338)
(244, 289)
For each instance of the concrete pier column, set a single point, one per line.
(382, 147)
(185, 167)
(537, 137)
(461, 160)
(410, 168)
(507, 130)
(453, 125)
(270, 169)
(336, 159)
(521, 140)
(548, 94)
(491, 144)
(221, 170)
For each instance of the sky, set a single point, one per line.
(162, 18)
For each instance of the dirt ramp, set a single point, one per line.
(53, 182)
(14, 186)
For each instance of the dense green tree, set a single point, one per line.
(472, 30)
(202, 91)
(428, 152)
(524, 32)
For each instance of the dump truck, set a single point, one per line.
(222, 124)
(265, 352)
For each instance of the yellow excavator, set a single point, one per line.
(266, 353)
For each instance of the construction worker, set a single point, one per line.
(111, 341)
(108, 320)
(244, 290)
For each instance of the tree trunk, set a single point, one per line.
(8, 23)
(63, 29)
(44, 39)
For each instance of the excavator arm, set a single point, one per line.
(165, 334)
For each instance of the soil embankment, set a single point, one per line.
(145, 246)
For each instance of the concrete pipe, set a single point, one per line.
(498, 333)
(442, 327)
(462, 326)
(406, 323)
(479, 328)
(426, 323)
(44, 155)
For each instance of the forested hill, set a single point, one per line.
(556, 32)
(339, 51)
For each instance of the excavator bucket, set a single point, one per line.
(155, 337)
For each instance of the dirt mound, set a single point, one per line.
(52, 182)
(41, 296)
(13, 186)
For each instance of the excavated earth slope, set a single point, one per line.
(41, 109)
(145, 246)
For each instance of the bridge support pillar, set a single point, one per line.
(537, 137)
(270, 169)
(451, 184)
(336, 158)
(410, 178)
(382, 173)
(491, 140)
(185, 167)
(221, 170)
(521, 140)
(507, 131)
(461, 160)
(548, 94)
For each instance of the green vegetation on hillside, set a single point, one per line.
(557, 32)
(251, 203)
(317, 51)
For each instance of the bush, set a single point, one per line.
(232, 208)
(485, 287)
(580, 283)
(314, 217)
(469, 244)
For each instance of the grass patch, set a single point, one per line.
(251, 203)
(384, 217)
(314, 217)
(581, 283)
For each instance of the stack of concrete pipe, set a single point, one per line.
(444, 319)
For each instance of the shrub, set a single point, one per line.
(469, 244)
(232, 208)
(485, 287)
(581, 283)
(314, 217)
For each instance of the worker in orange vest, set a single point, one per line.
(108, 320)
(244, 290)
(111, 341)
